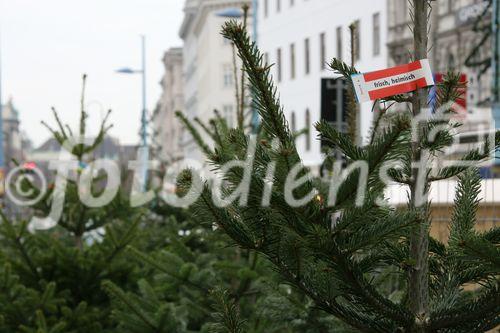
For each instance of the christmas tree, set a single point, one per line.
(194, 280)
(117, 268)
(339, 252)
(51, 279)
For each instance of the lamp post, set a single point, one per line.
(143, 152)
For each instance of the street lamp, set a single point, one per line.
(230, 13)
(143, 152)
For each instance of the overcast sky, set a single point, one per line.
(48, 44)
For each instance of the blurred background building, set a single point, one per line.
(16, 145)
(168, 131)
(456, 41)
(208, 65)
(460, 40)
(15, 142)
(110, 149)
(300, 38)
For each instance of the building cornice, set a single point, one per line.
(172, 54)
(195, 17)
(190, 9)
(209, 6)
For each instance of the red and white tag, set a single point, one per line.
(392, 81)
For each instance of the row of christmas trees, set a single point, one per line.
(254, 268)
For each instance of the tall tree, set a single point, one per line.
(339, 252)
(51, 279)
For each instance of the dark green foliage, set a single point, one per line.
(227, 315)
(195, 281)
(338, 255)
(124, 269)
(51, 280)
(320, 267)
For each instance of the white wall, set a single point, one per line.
(308, 19)
(214, 56)
(190, 78)
(205, 55)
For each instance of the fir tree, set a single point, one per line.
(194, 280)
(339, 255)
(51, 279)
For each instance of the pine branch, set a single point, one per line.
(449, 92)
(351, 316)
(239, 112)
(339, 140)
(486, 305)
(196, 135)
(116, 293)
(476, 155)
(59, 123)
(477, 249)
(377, 122)
(466, 205)
(17, 240)
(392, 145)
(227, 316)
(245, 8)
(154, 263)
(340, 67)
(83, 114)
(266, 100)
(125, 240)
(205, 128)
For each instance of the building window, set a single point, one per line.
(307, 57)
(356, 45)
(278, 5)
(376, 34)
(292, 61)
(266, 8)
(278, 64)
(308, 130)
(322, 51)
(339, 43)
(293, 125)
(228, 76)
(228, 114)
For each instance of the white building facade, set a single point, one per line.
(300, 37)
(168, 130)
(208, 69)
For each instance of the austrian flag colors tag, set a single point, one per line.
(392, 81)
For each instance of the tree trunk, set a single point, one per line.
(419, 241)
(352, 117)
(79, 242)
